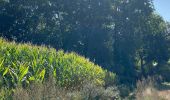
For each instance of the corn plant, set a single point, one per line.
(24, 63)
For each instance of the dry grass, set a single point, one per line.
(165, 94)
(50, 91)
(39, 91)
(146, 90)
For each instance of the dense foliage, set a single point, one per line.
(22, 64)
(123, 36)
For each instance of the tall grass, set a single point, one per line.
(49, 91)
(146, 90)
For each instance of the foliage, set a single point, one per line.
(22, 64)
(123, 36)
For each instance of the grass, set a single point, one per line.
(50, 91)
(147, 90)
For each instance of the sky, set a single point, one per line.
(163, 8)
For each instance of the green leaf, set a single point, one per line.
(6, 71)
(23, 72)
(14, 65)
(1, 65)
(32, 78)
(42, 74)
(54, 73)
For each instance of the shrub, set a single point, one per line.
(90, 91)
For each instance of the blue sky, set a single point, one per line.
(163, 8)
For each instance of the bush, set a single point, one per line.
(92, 92)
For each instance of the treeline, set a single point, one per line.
(124, 36)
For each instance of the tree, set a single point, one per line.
(129, 18)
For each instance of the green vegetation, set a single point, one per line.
(126, 37)
(124, 40)
(21, 64)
